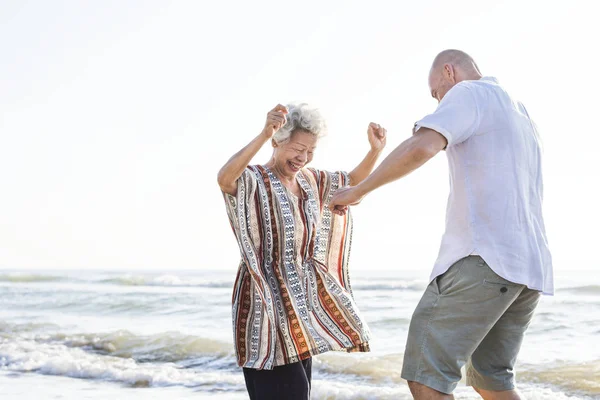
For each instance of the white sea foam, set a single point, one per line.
(342, 377)
(58, 359)
(577, 377)
(384, 368)
(335, 390)
(164, 346)
(384, 373)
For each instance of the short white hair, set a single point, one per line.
(301, 117)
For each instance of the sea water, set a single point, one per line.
(134, 335)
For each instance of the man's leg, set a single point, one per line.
(490, 369)
(422, 392)
(454, 315)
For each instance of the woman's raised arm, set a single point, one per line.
(233, 169)
(377, 140)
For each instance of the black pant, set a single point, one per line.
(287, 382)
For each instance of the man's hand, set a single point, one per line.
(275, 120)
(377, 136)
(343, 198)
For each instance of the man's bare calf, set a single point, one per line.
(422, 392)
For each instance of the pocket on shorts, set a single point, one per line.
(495, 282)
(501, 288)
(445, 281)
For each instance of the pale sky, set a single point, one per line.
(116, 116)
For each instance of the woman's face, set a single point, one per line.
(292, 156)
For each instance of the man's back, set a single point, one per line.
(495, 203)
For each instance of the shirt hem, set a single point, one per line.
(362, 347)
(508, 277)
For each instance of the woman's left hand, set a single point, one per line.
(377, 136)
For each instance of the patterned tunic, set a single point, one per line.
(292, 297)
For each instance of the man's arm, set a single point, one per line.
(407, 157)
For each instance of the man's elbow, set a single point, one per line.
(428, 144)
(423, 152)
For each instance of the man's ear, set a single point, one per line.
(449, 73)
(274, 143)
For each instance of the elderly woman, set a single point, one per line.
(292, 297)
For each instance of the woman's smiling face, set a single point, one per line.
(290, 157)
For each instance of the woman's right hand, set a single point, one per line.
(275, 120)
(234, 168)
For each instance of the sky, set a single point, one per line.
(116, 116)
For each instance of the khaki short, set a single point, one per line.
(468, 315)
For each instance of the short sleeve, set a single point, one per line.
(246, 187)
(457, 117)
(328, 182)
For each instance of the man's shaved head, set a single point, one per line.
(449, 68)
(457, 58)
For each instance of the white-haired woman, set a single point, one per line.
(292, 297)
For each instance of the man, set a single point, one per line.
(494, 260)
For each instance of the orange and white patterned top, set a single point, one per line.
(292, 297)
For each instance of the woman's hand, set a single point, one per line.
(377, 136)
(275, 120)
(344, 197)
(233, 169)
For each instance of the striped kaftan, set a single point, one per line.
(292, 296)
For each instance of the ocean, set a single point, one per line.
(164, 335)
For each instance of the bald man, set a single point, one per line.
(494, 261)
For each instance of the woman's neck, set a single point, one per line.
(285, 179)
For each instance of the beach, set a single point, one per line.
(167, 334)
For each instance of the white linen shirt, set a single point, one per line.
(495, 204)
